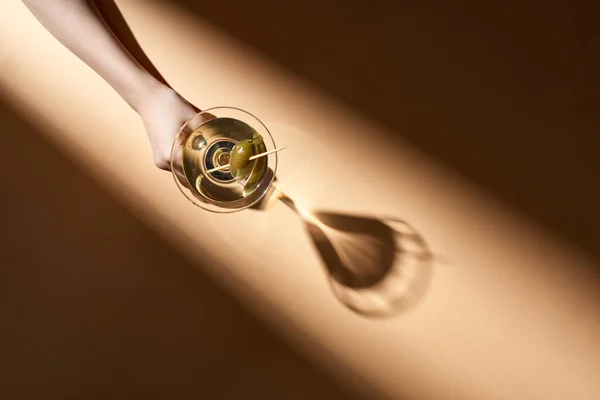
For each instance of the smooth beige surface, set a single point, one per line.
(511, 311)
(95, 305)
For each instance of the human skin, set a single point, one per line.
(80, 28)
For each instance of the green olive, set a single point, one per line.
(240, 165)
(260, 166)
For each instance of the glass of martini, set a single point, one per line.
(213, 163)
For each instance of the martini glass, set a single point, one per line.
(204, 143)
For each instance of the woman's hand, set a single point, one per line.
(163, 113)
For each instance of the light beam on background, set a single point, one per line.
(512, 315)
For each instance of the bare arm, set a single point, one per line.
(77, 25)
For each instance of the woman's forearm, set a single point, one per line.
(80, 28)
(77, 25)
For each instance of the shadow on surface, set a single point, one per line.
(111, 14)
(109, 11)
(506, 93)
(94, 305)
(376, 267)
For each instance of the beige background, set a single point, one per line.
(475, 124)
(94, 305)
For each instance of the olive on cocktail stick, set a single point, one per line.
(225, 166)
(240, 165)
